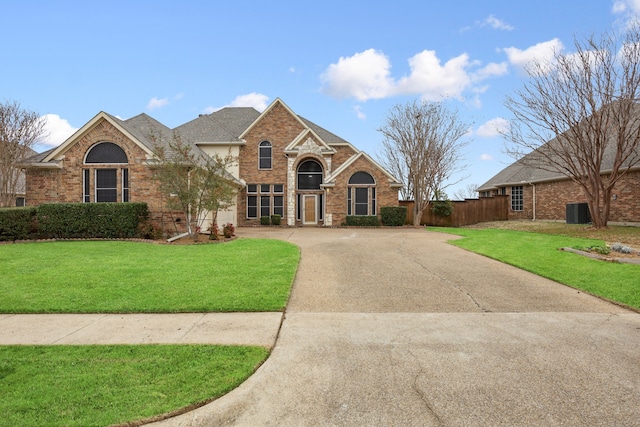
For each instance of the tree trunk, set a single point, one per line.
(417, 214)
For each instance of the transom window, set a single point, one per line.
(264, 155)
(361, 194)
(309, 175)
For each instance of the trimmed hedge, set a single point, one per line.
(17, 224)
(275, 219)
(362, 221)
(91, 220)
(393, 216)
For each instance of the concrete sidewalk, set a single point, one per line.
(179, 328)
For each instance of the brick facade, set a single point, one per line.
(292, 143)
(552, 197)
(65, 184)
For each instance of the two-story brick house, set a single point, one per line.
(287, 166)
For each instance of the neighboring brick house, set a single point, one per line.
(287, 166)
(543, 195)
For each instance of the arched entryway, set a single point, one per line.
(309, 194)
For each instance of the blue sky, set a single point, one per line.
(341, 64)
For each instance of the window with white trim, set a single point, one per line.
(361, 195)
(517, 198)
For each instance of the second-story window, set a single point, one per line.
(264, 155)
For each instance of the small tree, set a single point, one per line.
(422, 146)
(193, 182)
(20, 130)
(579, 113)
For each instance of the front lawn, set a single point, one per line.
(539, 253)
(104, 385)
(136, 277)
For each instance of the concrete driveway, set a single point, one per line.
(394, 327)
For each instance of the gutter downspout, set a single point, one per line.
(534, 200)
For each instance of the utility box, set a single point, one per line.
(578, 213)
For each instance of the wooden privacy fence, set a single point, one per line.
(467, 212)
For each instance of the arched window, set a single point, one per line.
(106, 152)
(309, 175)
(102, 184)
(361, 194)
(264, 155)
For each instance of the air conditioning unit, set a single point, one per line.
(578, 213)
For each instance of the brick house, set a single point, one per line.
(287, 166)
(543, 195)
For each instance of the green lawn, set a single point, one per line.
(104, 385)
(539, 253)
(135, 277)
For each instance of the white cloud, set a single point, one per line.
(255, 100)
(57, 130)
(491, 70)
(433, 80)
(493, 128)
(486, 157)
(496, 23)
(627, 10)
(358, 110)
(541, 53)
(156, 103)
(626, 6)
(367, 75)
(363, 76)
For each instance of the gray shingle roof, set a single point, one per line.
(524, 171)
(224, 125)
(327, 136)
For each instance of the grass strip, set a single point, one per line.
(539, 253)
(105, 385)
(136, 277)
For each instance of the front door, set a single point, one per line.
(309, 209)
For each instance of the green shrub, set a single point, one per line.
(91, 220)
(363, 221)
(393, 216)
(264, 220)
(275, 219)
(17, 223)
(442, 208)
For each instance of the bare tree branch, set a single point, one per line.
(193, 182)
(580, 115)
(20, 130)
(422, 146)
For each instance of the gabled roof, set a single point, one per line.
(267, 110)
(331, 178)
(126, 128)
(304, 136)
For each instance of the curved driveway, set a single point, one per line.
(394, 327)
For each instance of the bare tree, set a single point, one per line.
(193, 182)
(578, 116)
(422, 146)
(470, 191)
(20, 130)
